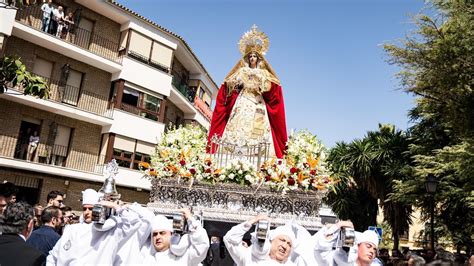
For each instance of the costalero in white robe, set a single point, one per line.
(91, 244)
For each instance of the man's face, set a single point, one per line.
(280, 248)
(3, 203)
(57, 202)
(161, 240)
(366, 252)
(87, 214)
(58, 221)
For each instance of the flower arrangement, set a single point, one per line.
(181, 154)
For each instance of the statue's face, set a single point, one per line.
(253, 60)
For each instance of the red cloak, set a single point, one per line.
(275, 111)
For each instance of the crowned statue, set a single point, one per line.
(249, 104)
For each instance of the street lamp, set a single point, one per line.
(431, 184)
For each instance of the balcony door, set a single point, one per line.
(84, 33)
(72, 88)
(60, 148)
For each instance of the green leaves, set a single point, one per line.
(13, 73)
(437, 67)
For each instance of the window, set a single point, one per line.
(139, 157)
(201, 94)
(123, 158)
(142, 104)
(130, 97)
(43, 67)
(129, 152)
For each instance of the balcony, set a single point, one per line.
(184, 89)
(53, 155)
(73, 97)
(109, 49)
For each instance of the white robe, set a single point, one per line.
(323, 242)
(190, 249)
(91, 244)
(255, 255)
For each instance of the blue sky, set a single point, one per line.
(327, 54)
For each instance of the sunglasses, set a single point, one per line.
(87, 208)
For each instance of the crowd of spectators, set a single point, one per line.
(35, 235)
(55, 21)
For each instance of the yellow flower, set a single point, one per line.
(164, 153)
(312, 162)
(144, 165)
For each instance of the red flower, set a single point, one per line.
(192, 171)
(312, 172)
(291, 181)
(267, 178)
(182, 162)
(293, 170)
(208, 170)
(209, 163)
(279, 162)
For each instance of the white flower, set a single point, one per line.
(240, 172)
(231, 176)
(222, 177)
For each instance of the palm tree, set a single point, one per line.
(373, 163)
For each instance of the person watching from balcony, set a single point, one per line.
(58, 15)
(32, 145)
(66, 23)
(55, 198)
(363, 253)
(47, 9)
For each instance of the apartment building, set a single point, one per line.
(117, 81)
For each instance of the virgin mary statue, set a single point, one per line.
(249, 104)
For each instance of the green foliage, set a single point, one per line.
(367, 168)
(13, 73)
(437, 67)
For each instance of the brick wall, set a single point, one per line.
(94, 80)
(85, 140)
(73, 189)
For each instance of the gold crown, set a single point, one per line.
(254, 41)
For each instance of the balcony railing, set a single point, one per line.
(73, 96)
(95, 43)
(56, 155)
(184, 89)
(203, 108)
